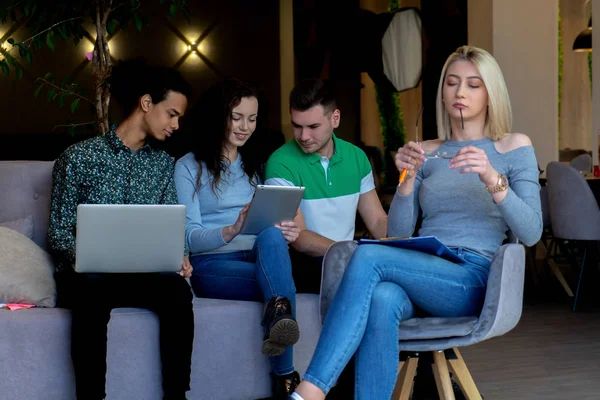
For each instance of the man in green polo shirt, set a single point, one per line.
(337, 176)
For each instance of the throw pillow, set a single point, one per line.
(26, 271)
(23, 225)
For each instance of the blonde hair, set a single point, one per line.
(498, 121)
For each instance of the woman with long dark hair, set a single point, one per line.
(216, 182)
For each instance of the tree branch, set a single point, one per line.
(117, 6)
(52, 27)
(123, 3)
(97, 71)
(74, 125)
(107, 11)
(13, 6)
(65, 90)
(42, 32)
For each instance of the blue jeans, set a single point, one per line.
(256, 275)
(381, 287)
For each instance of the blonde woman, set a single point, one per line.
(486, 183)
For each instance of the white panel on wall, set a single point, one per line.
(576, 104)
(524, 40)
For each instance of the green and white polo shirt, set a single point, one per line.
(333, 187)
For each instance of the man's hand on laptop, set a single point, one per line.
(186, 270)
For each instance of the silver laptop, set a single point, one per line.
(129, 238)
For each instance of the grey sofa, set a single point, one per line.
(35, 358)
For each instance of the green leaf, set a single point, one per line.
(112, 26)
(61, 100)
(74, 105)
(19, 71)
(11, 41)
(4, 67)
(49, 41)
(38, 43)
(62, 30)
(27, 11)
(28, 56)
(71, 131)
(64, 80)
(173, 8)
(50, 94)
(38, 90)
(33, 8)
(48, 76)
(137, 22)
(9, 59)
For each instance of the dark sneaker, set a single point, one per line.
(282, 328)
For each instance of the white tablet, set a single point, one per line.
(271, 205)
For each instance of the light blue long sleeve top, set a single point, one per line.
(460, 212)
(208, 212)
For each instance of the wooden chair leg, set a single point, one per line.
(406, 376)
(463, 377)
(561, 278)
(442, 376)
(556, 269)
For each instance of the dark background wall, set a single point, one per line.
(324, 48)
(327, 44)
(445, 29)
(243, 42)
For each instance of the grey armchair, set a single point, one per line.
(574, 214)
(550, 244)
(582, 162)
(442, 336)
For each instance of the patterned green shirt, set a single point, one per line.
(102, 170)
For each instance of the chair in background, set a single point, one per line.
(566, 155)
(582, 162)
(551, 247)
(574, 215)
(442, 336)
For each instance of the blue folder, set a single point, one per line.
(425, 244)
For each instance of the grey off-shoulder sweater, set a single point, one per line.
(459, 211)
